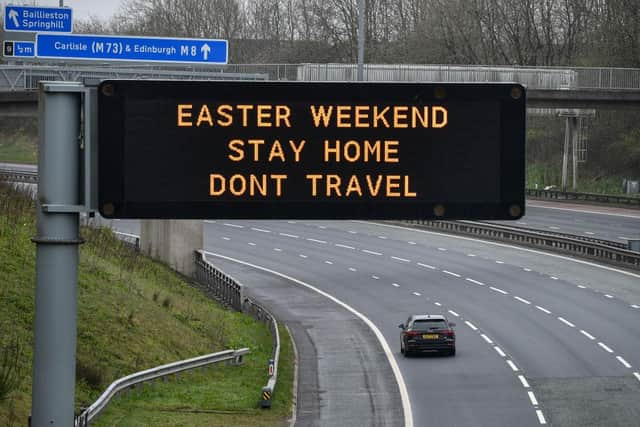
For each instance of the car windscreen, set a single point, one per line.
(429, 324)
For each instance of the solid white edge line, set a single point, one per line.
(624, 362)
(541, 418)
(499, 351)
(566, 322)
(524, 381)
(587, 334)
(486, 338)
(404, 393)
(605, 347)
(512, 365)
(504, 245)
(533, 399)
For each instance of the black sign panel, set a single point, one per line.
(229, 149)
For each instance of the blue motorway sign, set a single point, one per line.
(38, 19)
(125, 48)
(22, 49)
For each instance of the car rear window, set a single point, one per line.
(428, 324)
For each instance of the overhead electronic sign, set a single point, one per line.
(230, 149)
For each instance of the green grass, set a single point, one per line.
(18, 145)
(134, 314)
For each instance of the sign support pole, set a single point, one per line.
(57, 239)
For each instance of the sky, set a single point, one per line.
(82, 9)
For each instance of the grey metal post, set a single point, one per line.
(361, 15)
(565, 153)
(574, 149)
(57, 240)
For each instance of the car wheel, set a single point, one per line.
(452, 352)
(401, 347)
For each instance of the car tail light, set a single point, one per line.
(412, 333)
(449, 333)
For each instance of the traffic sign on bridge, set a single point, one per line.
(38, 19)
(124, 48)
(185, 149)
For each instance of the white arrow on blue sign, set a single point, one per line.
(124, 48)
(38, 19)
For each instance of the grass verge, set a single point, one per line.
(133, 314)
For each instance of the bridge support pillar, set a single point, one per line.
(173, 242)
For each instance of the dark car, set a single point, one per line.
(424, 333)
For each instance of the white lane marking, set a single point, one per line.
(524, 381)
(352, 269)
(302, 256)
(499, 262)
(498, 290)
(471, 255)
(527, 269)
(450, 273)
(474, 281)
(587, 334)
(316, 240)
(426, 266)
(605, 347)
(486, 338)
(438, 304)
(404, 393)
(512, 365)
(374, 277)
(277, 249)
(382, 237)
(590, 233)
(554, 278)
(635, 306)
(352, 232)
(395, 285)
(608, 296)
(499, 351)
(322, 227)
(226, 238)
(522, 300)
(261, 230)
(367, 251)
(541, 418)
(454, 313)
(542, 309)
(293, 236)
(226, 224)
(412, 243)
(344, 246)
(417, 294)
(328, 262)
(637, 375)
(442, 249)
(251, 244)
(504, 245)
(582, 287)
(471, 325)
(566, 322)
(624, 362)
(533, 399)
(400, 259)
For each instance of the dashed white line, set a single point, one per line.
(374, 277)
(542, 309)
(587, 334)
(226, 238)
(442, 249)
(605, 347)
(499, 351)
(400, 259)
(322, 227)
(527, 269)
(395, 285)
(277, 249)
(352, 269)
(344, 246)
(438, 304)
(416, 293)
(499, 262)
(454, 313)
(524, 381)
(316, 240)
(303, 256)
(533, 399)
(328, 262)
(471, 325)
(498, 290)
(352, 232)
(382, 237)
(471, 255)
(512, 365)
(635, 306)
(261, 230)
(226, 224)
(367, 251)
(554, 278)
(251, 244)
(426, 266)
(582, 287)
(450, 273)
(412, 243)
(293, 236)
(566, 322)
(541, 418)
(474, 281)
(624, 362)
(486, 338)
(608, 296)
(637, 375)
(522, 300)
